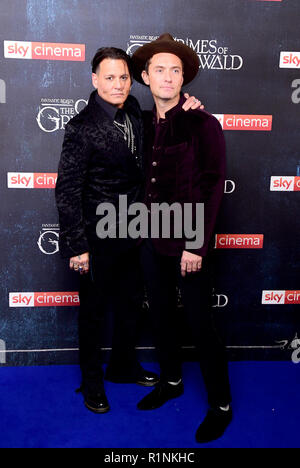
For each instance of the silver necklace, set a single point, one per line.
(127, 132)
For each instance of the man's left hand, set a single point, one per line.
(190, 263)
(191, 103)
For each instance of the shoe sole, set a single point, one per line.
(147, 384)
(97, 411)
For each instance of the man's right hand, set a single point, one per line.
(80, 263)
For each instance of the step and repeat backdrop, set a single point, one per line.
(249, 78)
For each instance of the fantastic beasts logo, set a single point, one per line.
(55, 113)
(212, 54)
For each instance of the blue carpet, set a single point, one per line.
(39, 409)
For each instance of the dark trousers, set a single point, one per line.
(112, 286)
(162, 276)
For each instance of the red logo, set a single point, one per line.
(239, 241)
(43, 299)
(30, 180)
(289, 60)
(281, 297)
(42, 180)
(285, 184)
(245, 122)
(44, 51)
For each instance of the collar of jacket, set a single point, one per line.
(104, 122)
(130, 106)
(110, 110)
(172, 111)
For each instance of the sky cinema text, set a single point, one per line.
(43, 299)
(44, 51)
(30, 180)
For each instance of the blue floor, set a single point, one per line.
(39, 408)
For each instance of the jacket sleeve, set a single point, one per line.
(72, 172)
(212, 177)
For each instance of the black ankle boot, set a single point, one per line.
(214, 425)
(95, 399)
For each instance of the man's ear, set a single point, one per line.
(145, 77)
(95, 80)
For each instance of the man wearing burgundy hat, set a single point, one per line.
(185, 160)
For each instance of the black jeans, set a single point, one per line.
(162, 276)
(114, 285)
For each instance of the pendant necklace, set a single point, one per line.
(127, 132)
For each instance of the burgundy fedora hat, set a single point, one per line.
(166, 43)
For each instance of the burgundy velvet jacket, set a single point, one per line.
(185, 161)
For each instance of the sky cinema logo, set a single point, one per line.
(281, 297)
(285, 184)
(289, 60)
(30, 180)
(43, 299)
(44, 51)
(245, 122)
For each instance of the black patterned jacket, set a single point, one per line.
(95, 166)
